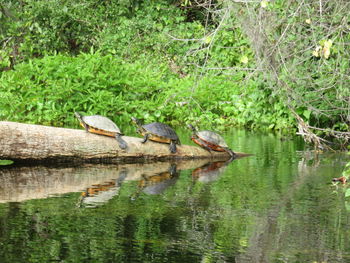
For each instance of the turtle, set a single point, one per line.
(341, 179)
(158, 132)
(101, 125)
(211, 141)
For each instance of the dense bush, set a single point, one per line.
(50, 89)
(128, 29)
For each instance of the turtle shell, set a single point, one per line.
(101, 123)
(212, 138)
(160, 131)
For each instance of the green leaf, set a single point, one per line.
(6, 162)
(306, 114)
(347, 193)
(347, 206)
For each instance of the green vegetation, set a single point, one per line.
(112, 87)
(177, 62)
(5, 162)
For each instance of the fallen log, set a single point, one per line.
(28, 143)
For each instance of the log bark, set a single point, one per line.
(28, 143)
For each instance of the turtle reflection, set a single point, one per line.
(99, 194)
(156, 184)
(210, 171)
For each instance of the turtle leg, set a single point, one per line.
(85, 126)
(172, 147)
(122, 144)
(145, 138)
(208, 149)
(204, 146)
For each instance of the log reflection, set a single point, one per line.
(24, 183)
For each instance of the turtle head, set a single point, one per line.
(79, 116)
(172, 170)
(190, 126)
(136, 121)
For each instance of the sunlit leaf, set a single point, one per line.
(347, 206)
(244, 59)
(328, 43)
(263, 4)
(6, 162)
(316, 53)
(306, 114)
(347, 193)
(207, 39)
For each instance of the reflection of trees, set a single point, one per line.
(241, 217)
(289, 232)
(147, 227)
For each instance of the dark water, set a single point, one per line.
(278, 205)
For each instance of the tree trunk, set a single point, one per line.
(25, 143)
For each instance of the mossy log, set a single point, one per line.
(28, 143)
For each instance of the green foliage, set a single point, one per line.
(6, 162)
(346, 172)
(127, 28)
(50, 89)
(70, 26)
(302, 47)
(168, 61)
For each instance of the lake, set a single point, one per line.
(278, 205)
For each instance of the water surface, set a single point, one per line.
(278, 205)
